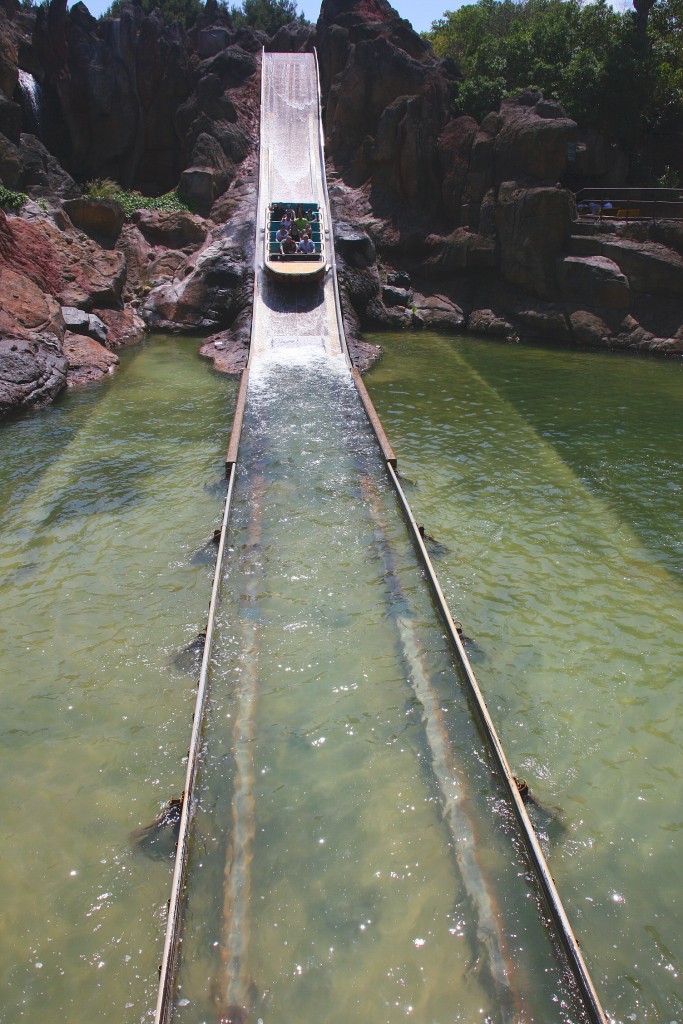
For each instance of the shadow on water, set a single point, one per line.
(158, 840)
(206, 554)
(189, 658)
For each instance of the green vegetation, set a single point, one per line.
(184, 11)
(266, 15)
(12, 200)
(619, 72)
(105, 188)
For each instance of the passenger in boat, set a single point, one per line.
(288, 247)
(286, 221)
(281, 234)
(306, 245)
(301, 220)
(295, 233)
(278, 211)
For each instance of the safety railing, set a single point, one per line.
(629, 204)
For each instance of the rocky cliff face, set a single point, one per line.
(476, 220)
(440, 221)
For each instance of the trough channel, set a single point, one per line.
(353, 843)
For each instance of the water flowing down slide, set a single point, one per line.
(353, 852)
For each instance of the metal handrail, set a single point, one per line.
(630, 204)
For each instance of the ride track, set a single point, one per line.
(307, 319)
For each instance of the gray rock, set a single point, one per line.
(392, 296)
(399, 279)
(198, 188)
(211, 41)
(32, 372)
(80, 322)
(593, 280)
(75, 319)
(354, 245)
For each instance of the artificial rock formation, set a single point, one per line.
(479, 216)
(439, 221)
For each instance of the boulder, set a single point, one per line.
(668, 233)
(88, 360)
(393, 296)
(198, 188)
(399, 279)
(589, 330)
(41, 172)
(534, 224)
(292, 38)
(650, 267)
(354, 245)
(95, 277)
(26, 309)
(438, 312)
(138, 255)
(123, 326)
(164, 268)
(229, 350)
(98, 218)
(529, 146)
(488, 323)
(65, 264)
(541, 321)
(593, 280)
(177, 230)
(32, 371)
(77, 321)
(211, 41)
(217, 288)
(549, 109)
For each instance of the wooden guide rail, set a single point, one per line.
(167, 968)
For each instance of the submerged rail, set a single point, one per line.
(174, 918)
(565, 932)
(232, 998)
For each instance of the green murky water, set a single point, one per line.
(368, 853)
(105, 500)
(551, 482)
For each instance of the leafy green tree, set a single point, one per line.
(266, 15)
(588, 56)
(184, 11)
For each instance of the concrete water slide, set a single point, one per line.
(292, 169)
(288, 322)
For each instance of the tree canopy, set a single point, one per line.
(607, 69)
(184, 11)
(266, 15)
